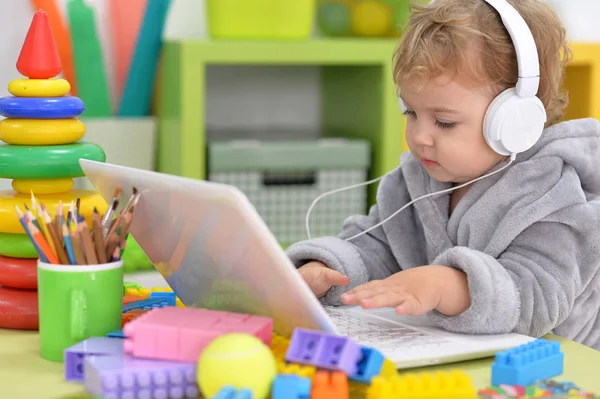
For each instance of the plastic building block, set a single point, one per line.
(369, 366)
(296, 369)
(528, 363)
(454, 384)
(39, 58)
(126, 377)
(325, 351)
(167, 296)
(116, 334)
(290, 387)
(231, 393)
(146, 304)
(95, 346)
(128, 284)
(181, 334)
(138, 291)
(332, 385)
(131, 298)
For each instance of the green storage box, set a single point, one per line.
(282, 178)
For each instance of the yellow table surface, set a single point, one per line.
(24, 374)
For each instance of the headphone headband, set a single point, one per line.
(525, 48)
(524, 44)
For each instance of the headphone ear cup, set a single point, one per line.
(401, 104)
(513, 124)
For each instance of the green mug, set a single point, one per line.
(77, 302)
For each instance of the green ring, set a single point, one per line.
(17, 246)
(47, 162)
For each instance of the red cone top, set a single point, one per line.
(39, 58)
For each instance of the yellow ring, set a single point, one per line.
(39, 87)
(42, 186)
(9, 222)
(41, 131)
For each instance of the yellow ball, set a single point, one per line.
(238, 360)
(371, 18)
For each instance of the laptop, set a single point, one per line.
(215, 251)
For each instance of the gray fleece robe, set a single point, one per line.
(528, 239)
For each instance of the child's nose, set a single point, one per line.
(422, 136)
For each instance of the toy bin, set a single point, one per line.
(260, 19)
(282, 178)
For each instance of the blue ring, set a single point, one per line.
(41, 108)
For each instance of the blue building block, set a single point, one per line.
(169, 297)
(526, 364)
(325, 351)
(290, 387)
(230, 393)
(116, 334)
(369, 366)
(146, 304)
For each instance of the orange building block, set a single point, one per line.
(328, 385)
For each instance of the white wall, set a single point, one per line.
(252, 97)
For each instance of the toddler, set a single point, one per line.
(518, 250)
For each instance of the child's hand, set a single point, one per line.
(320, 278)
(415, 291)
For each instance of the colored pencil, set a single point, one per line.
(68, 245)
(88, 245)
(23, 222)
(43, 244)
(44, 228)
(98, 237)
(76, 245)
(58, 220)
(70, 240)
(60, 251)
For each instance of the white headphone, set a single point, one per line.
(513, 122)
(515, 119)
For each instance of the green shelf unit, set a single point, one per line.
(358, 95)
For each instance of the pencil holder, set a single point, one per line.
(77, 302)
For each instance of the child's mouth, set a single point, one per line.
(428, 163)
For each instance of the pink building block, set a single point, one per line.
(181, 334)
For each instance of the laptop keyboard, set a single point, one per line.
(381, 334)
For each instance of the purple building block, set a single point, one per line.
(76, 354)
(124, 377)
(324, 351)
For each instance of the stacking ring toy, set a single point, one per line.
(41, 108)
(18, 273)
(41, 131)
(19, 309)
(17, 246)
(39, 87)
(46, 162)
(9, 222)
(42, 186)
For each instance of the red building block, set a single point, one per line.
(39, 58)
(181, 334)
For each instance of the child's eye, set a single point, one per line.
(445, 125)
(409, 113)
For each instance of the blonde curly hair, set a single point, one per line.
(440, 38)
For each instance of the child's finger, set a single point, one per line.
(355, 296)
(371, 285)
(333, 277)
(383, 300)
(410, 306)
